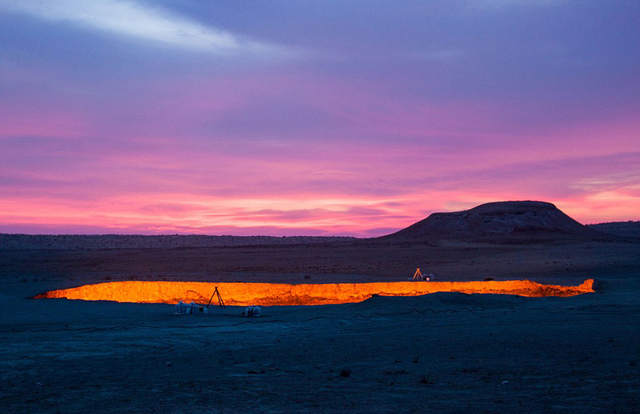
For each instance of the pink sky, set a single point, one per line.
(105, 128)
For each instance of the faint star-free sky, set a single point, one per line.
(313, 117)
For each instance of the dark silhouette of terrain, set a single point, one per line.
(136, 241)
(499, 220)
(619, 228)
(444, 352)
(498, 240)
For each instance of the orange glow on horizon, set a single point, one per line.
(270, 294)
(319, 214)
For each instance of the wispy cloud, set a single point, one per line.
(138, 21)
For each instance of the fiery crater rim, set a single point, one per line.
(281, 294)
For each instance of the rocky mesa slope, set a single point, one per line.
(509, 219)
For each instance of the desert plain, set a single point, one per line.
(443, 352)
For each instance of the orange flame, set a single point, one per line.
(270, 294)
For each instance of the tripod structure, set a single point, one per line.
(220, 301)
(418, 275)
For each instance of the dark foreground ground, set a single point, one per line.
(448, 353)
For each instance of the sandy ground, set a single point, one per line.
(447, 352)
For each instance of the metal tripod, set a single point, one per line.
(220, 301)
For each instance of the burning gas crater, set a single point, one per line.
(269, 294)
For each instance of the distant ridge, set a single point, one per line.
(619, 228)
(497, 222)
(118, 241)
(523, 219)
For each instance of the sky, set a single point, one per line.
(297, 117)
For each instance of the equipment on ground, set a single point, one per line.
(220, 301)
(193, 308)
(189, 308)
(252, 312)
(419, 276)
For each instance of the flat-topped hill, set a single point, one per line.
(506, 218)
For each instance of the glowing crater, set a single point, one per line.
(271, 294)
